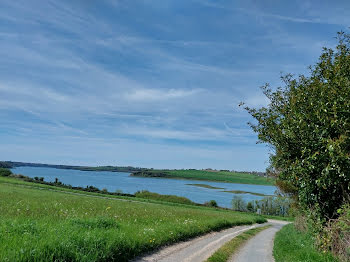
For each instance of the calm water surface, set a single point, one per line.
(128, 184)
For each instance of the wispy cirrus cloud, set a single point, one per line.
(151, 95)
(147, 81)
(328, 12)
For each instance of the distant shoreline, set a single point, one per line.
(224, 176)
(127, 169)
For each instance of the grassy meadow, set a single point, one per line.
(217, 176)
(37, 224)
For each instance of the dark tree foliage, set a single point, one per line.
(307, 123)
(5, 172)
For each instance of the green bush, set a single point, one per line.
(336, 235)
(5, 172)
(211, 203)
(168, 198)
(307, 123)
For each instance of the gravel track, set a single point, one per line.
(195, 250)
(259, 248)
(199, 249)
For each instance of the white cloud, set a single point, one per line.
(146, 95)
(68, 71)
(208, 134)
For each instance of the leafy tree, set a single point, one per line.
(307, 124)
(238, 203)
(250, 207)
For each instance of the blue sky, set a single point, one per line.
(151, 83)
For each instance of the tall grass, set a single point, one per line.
(41, 225)
(291, 245)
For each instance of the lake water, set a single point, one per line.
(113, 181)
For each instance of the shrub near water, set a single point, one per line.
(211, 203)
(40, 225)
(275, 206)
(5, 172)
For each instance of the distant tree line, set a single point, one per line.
(5, 164)
(127, 169)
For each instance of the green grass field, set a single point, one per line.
(37, 224)
(293, 246)
(220, 176)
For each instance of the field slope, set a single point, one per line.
(37, 224)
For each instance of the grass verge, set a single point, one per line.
(227, 250)
(293, 246)
(38, 224)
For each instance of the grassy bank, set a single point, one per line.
(293, 246)
(227, 250)
(218, 176)
(205, 186)
(37, 224)
(167, 198)
(6, 176)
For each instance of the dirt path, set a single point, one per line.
(199, 249)
(195, 250)
(260, 247)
